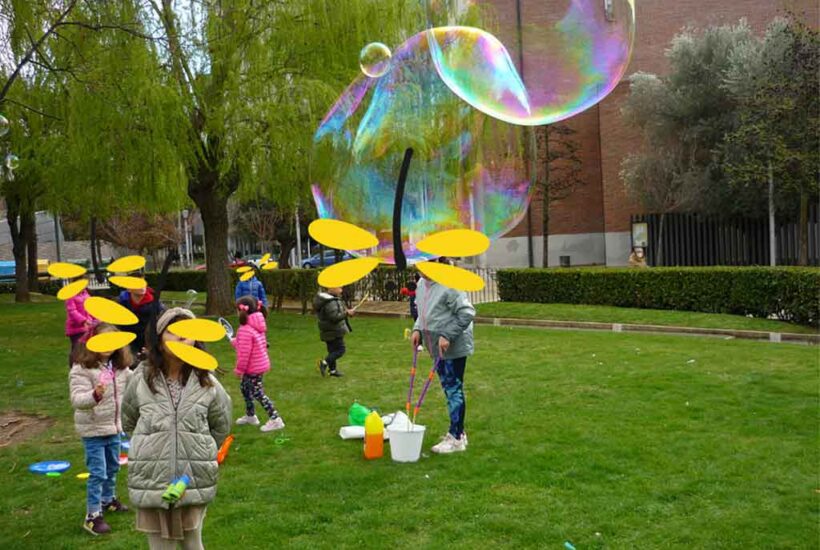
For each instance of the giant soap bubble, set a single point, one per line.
(534, 62)
(468, 170)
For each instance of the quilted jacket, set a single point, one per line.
(94, 418)
(75, 314)
(251, 346)
(167, 442)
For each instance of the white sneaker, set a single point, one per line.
(449, 444)
(464, 439)
(252, 420)
(273, 424)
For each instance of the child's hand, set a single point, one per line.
(351, 312)
(99, 390)
(443, 345)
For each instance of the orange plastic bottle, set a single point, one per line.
(373, 436)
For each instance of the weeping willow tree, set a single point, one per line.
(153, 100)
(252, 80)
(61, 89)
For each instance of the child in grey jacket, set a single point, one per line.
(97, 384)
(445, 327)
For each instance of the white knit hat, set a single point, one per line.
(169, 314)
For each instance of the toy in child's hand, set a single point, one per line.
(106, 376)
(176, 489)
(222, 454)
(228, 328)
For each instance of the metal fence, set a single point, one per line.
(698, 240)
(385, 285)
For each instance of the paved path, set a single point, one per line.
(402, 310)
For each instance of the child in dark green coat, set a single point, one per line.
(333, 325)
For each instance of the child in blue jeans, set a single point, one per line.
(97, 384)
(445, 328)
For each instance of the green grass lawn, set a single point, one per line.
(606, 440)
(625, 315)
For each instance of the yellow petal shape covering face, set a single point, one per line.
(109, 311)
(110, 341)
(63, 270)
(127, 264)
(453, 277)
(71, 290)
(265, 258)
(270, 265)
(193, 356)
(246, 276)
(131, 283)
(455, 242)
(244, 269)
(341, 235)
(202, 330)
(347, 272)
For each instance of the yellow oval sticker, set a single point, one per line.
(71, 290)
(193, 356)
(347, 272)
(451, 276)
(126, 264)
(110, 341)
(62, 270)
(109, 311)
(341, 235)
(202, 330)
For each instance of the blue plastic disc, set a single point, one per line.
(49, 466)
(125, 445)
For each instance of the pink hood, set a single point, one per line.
(76, 315)
(251, 345)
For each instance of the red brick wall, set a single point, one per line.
(657, 22)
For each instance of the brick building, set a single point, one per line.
(592, 226)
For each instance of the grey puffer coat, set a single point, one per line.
(94, 418)
(167, 442)
(444, 312)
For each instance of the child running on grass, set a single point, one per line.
(252, 362)
(333, 325)
(97, 384)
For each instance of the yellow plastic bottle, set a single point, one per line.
(373, 436)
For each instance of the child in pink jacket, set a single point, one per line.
(252, 362)
(78, 321)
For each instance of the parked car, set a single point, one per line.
(330, 259)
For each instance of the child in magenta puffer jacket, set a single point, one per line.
(78, 322)
(252, 362)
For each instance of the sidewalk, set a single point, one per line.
(401, 310)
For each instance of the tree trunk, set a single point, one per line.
(285, 246)
(804, 229)
(212, 201)
(18, 249)
(30, 232)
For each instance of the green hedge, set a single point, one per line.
(46, 287)
(296, 284)
(789, 293)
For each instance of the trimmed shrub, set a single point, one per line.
(789, 293)
(46, 287)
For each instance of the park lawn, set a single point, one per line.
(635, 316)
(601, 439)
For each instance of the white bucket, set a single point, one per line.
(405, 446)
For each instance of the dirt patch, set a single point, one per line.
(17, 427)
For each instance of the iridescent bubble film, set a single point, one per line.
(374, 59)
(534, 62)
(468, 170)
(12, 161)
